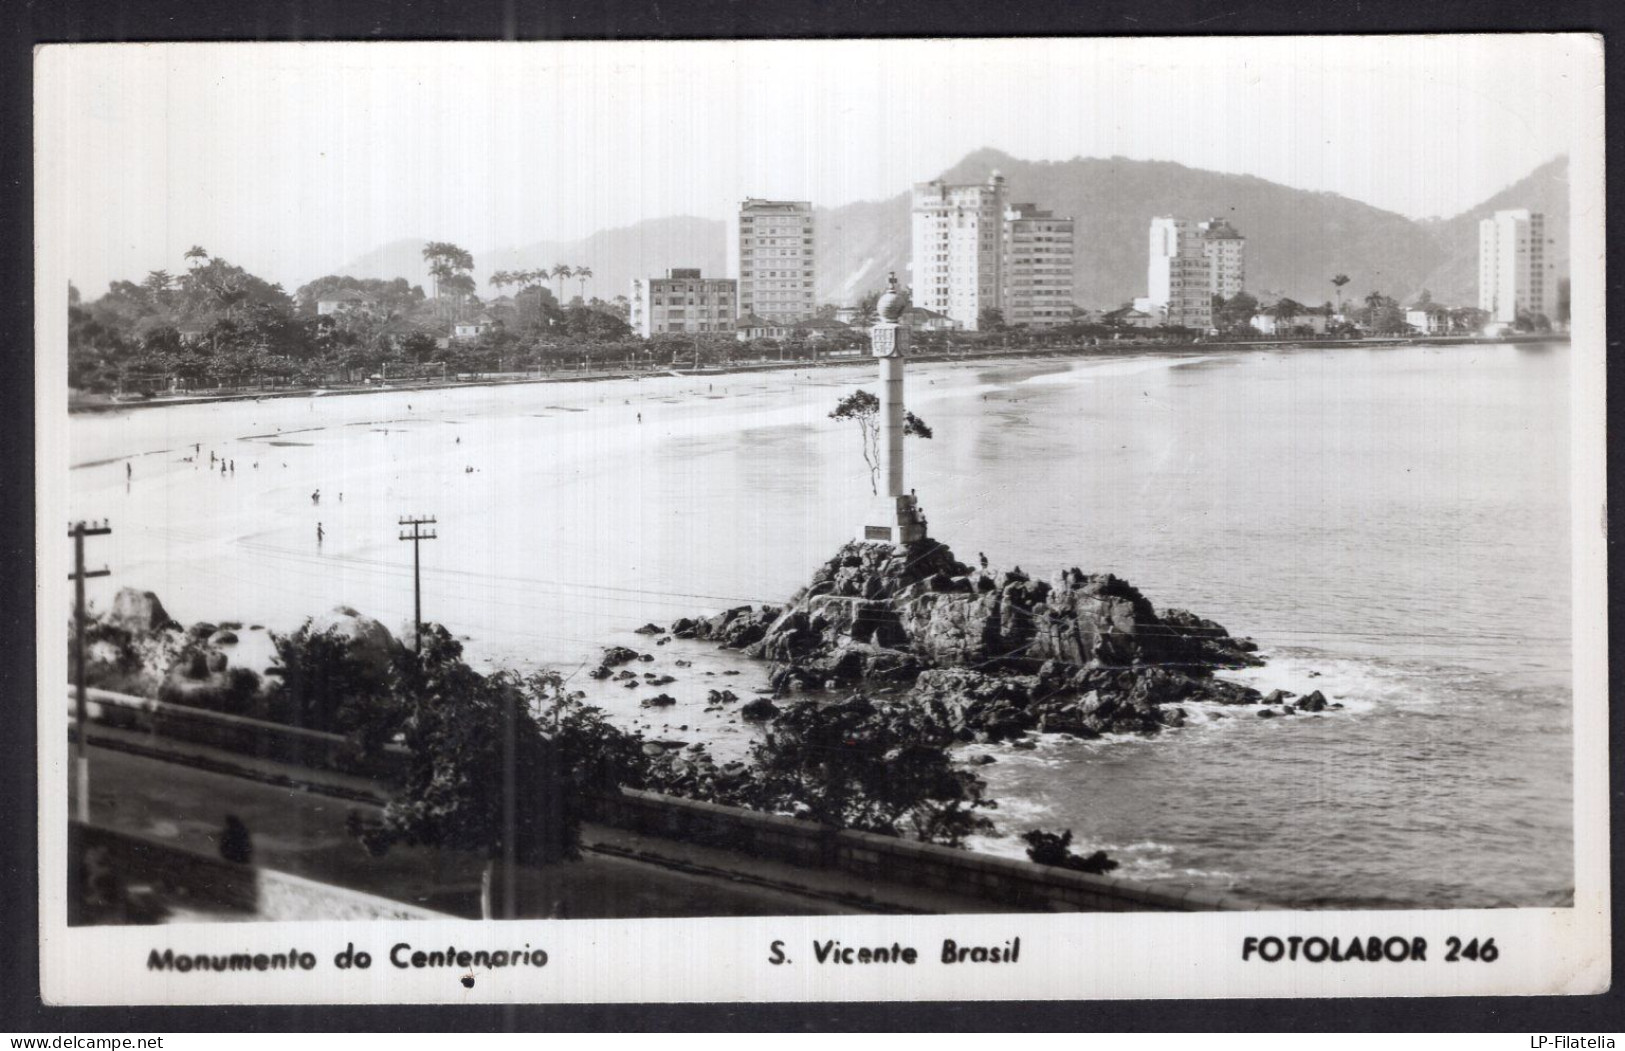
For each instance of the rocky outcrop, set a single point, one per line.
(735, 629)
(366, 639)
(1006, 652)
(138, 612)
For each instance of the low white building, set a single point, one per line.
(472, 329)
(1131, 317)
(752, 327)
(1268, 325)
(342, 301)
(1429, 320)
(922, 320)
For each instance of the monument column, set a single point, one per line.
(895, 516)
(891, 425)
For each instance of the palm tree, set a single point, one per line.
(1285, 311)
(1373, 302)
(446, 261)
(560, 272)
(582, 273)
(1338, 282)
(501, 279)
(196, 255)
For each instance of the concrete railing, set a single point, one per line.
(888, 860)
(278, 742)
(207, 883)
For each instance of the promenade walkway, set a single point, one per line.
(298, 827)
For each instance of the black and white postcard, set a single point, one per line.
(821, 520)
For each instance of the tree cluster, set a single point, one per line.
(216, 325)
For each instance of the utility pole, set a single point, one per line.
(417, 535)
(78, 531)
(510, 826)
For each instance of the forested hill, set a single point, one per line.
(1296, 239)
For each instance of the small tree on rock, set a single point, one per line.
(864, 408)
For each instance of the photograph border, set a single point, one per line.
(18, 440)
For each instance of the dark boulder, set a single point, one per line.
(138, 612)
(759, 709)
(618, 655)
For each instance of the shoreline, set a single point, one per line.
(102, 405)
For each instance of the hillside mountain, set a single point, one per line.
(614, 256)
(1546, 189)
(1296, 239)
(645, 249)
(401, 258)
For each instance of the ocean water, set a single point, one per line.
(1390, 525)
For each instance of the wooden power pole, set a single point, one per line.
(78, 531)
(417, 536)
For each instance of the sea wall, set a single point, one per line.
(882, 860)
(889, 861)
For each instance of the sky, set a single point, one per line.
(293, 159)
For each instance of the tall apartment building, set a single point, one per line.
(771, 253)
(958, 248)
(1517, 265)
(1178, 278)
(1037, 265)
(683, 301)
(1226, 252)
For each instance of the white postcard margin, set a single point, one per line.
(1062, 956)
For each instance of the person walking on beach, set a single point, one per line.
(640, 417)
(321, 534)
(316, 497)
(234, 467)
(126, 472)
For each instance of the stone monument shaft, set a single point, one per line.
(895, 517)
(891, 425)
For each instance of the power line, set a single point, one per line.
(417, 536)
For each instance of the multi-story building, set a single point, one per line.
(771, 253)
(1037, 267)
(958, 248)
(1517, 265)
(683, 301)
(1226, 252)
(1178, 276)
